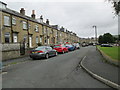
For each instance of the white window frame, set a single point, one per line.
(15, 34)
(40, 39)
(36, 28)
(48, 41)
(24, 25)
(44, 30)
(29, 26)
(48, 32)
(7, 20)
(2, 6)
(14, 21)
(36, 39)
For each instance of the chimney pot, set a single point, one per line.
(22, 11)
(41, 19)
(47, 21)
(33, 14)
(33, 11)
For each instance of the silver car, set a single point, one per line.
(43, 52)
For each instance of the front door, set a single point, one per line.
(30, 41)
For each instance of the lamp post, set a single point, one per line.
(95, 34)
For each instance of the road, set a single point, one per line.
(55, 72)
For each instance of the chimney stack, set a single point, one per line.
(22, 11)
(41, 19)
(33, 14)
(47, 21)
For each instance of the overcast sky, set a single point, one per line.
(75, 15)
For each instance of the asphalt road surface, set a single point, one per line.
(55, 72)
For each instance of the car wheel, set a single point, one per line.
(47, 56)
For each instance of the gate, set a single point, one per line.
(22, 48)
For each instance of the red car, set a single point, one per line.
(60, 48)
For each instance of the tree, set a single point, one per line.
(100, 39)
(116, 6)
(108, 38)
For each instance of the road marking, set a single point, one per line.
(108, 82)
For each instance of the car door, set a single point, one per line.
(52, 51)
(49, 51)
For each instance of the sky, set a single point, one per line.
(74, 15)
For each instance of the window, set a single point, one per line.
(45, 40)
(29, 26)
(13, 21)
(60, 34)
(6, 20)
(7, 37)
(36, 28)
(24, 25)
(56, 34)
(48, 41)
(40, 39)
(50, 48)
(44, 30)
(15, 37)
(3, 6)
(48, 31)
(36, 39)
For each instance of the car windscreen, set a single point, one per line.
(40, 48)
(57, 46)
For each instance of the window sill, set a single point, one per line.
(14, 24)
(25, 29)
(7, 25)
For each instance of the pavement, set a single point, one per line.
(96, 64)
(15, 61)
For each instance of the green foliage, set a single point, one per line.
(106, 38)
(100, 39)
(116, 6)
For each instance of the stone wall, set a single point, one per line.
(10, 51)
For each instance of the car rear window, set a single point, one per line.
(40, 48)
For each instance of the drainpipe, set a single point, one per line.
(43, 35)
(11, 28)
(28, 32)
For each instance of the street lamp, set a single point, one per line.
(95, 34)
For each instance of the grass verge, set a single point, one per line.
(111, 51)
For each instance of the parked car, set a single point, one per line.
(70, 47)
(106, 45)
(60, 48)
(43, 51)
(77, 46)
(83, 44)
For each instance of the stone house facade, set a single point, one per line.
(16, 27)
